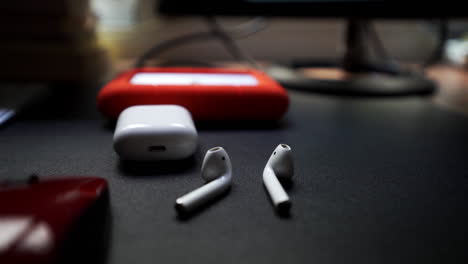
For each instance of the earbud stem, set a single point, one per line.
(196, 198)
(279, 197)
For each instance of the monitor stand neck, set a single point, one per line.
(356, 57)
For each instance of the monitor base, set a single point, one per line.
(364, 76)
(363, 84)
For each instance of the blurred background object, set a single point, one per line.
(44, 43)
(88, 41)
(64, 39)
(284, 39)
(49, 41)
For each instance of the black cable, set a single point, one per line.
(229, 43)
(366, 35)
(172, 43)
(216, 32)
(188, 63)
(248, 28)
(379, 48)
(442, 32)
(377, 42)
(437, 54)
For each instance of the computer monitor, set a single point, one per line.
(387, 81)
(316, 8)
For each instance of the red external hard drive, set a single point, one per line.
(208, 93)
(54, 220)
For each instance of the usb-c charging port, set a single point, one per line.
(157, 148)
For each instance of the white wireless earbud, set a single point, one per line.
(280, 165)
(217, 171)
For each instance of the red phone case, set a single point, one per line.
(266, 100)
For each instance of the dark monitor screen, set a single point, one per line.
(316, 8)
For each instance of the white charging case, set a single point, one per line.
(155, 132)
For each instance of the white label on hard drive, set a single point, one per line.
(213, 79)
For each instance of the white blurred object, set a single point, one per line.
(456, 51)
(115, 13)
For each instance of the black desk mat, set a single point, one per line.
(377, 181)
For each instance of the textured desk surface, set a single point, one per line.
(377, 181)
